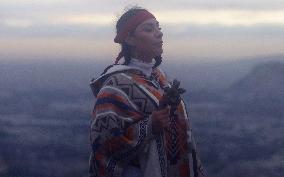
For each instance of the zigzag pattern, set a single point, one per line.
(201, 171)
(140, 100)
(172, 145)
(104, 123)
(162, 158)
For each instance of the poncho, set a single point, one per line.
(121, 128)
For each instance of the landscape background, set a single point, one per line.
(228, 54)
(236, 108)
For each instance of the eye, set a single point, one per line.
(149, 29)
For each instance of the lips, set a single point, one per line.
(159, 43)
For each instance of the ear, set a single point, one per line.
(130, 40)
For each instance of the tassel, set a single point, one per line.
(120, 55)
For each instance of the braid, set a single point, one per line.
(126, 49)
(127, 56)
(107, 68)
(158, 60)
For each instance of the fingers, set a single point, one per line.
(160, 113)
(160, 119)
(164, 111)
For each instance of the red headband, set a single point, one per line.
(129, 26)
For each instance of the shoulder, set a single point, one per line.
(160, 72)
(162, 76)
(118, 79)
(114, 74)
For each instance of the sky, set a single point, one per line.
(84, 29)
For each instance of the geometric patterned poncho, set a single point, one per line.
(121, 128)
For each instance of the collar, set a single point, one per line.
(146, 68)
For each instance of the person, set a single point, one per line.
(130, 136)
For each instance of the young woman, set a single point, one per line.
(131, 136)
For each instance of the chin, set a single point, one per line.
(158, 52)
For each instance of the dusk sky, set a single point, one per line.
(84, 29)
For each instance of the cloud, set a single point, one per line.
(18, 13)
(86, 28)
(226, 47)
(43, 48)
(89, 19)
(119, 5)
(196, 17)
(221, 4)
(222, 17)
(16, 23)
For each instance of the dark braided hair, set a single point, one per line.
(125, 48)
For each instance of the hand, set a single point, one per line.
(160, 120)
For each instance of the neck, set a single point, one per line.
(146, 58)
(146, 68)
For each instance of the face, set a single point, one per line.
(147, 39)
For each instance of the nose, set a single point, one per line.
(159, 33)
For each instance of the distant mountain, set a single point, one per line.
(265, 82)
(214, 74)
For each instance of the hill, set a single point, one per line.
(265, 83)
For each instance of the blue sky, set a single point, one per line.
(84, 29)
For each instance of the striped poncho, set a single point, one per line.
(121, 128)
